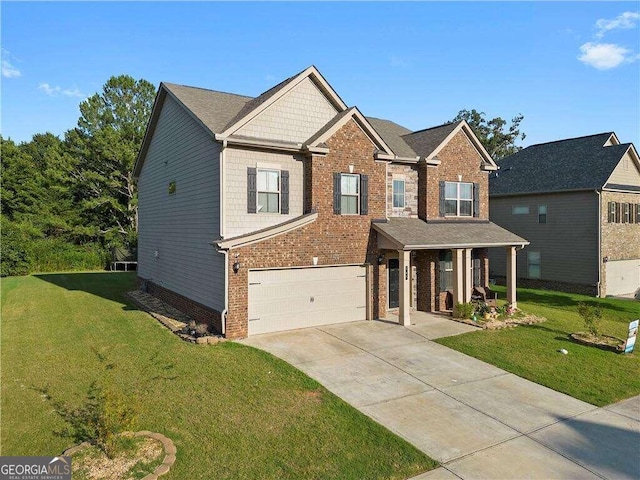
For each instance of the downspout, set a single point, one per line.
(226, 291)
(223, 320)
(599, 263)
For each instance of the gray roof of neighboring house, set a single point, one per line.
(417, 234)
(574, 164)
(424, 142)
(214, 109)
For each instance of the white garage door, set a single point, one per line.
(623, 276)
(306, 297)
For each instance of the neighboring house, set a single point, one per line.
(291, 210)
(578, 202)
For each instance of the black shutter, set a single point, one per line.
(638, 213)
(442, 198)
(476, 200)
(251, 190)
(364, 194)
(336, 193)
(284, 192)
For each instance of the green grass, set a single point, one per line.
(531, 351)
(232, 411)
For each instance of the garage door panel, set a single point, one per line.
(305, 297)
(623, 276)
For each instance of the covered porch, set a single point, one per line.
(418, 245)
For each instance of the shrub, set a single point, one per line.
(15, 255)
(57, 255)
(592, 316)
(463, 310)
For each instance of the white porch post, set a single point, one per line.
(511, 276)
(458, 275)
(468, 277)
(405, 287)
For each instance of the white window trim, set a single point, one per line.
(357, 195)
(458, 200)
(279, 192)
(393, 193)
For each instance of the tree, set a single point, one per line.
(105, 143)
(498, 142)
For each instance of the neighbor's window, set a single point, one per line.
(612, 212)
(398, 194)
(542, 214)
(626, 215)
(349, 194)
(446, 270)
(520, 210)
(268, 187)
(533, 264)
(458, 199)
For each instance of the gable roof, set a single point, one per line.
(424, 142)
(392, 134)
(582, 163)
(260, 103)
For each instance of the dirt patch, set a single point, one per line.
(603, 342)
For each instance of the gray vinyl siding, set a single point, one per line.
(181, 226)
(568, 242)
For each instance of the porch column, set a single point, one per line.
(458, 275)
(405, 287)
(511, 276)
(468, 277)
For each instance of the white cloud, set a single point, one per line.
(55, 91)
(605, 56)
(8, 69)
(624, 21)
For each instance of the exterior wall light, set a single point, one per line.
(236, 267)
(380, 259)
(605, 259)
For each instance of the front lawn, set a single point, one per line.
(232, 411)
(531, 351)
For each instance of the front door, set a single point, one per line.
(394, 282)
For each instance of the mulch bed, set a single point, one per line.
(603, 342)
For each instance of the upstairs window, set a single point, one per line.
(398, 194)
(350, 194)
(268, 191)
(520, 210)
(542, 214)
(459, 199)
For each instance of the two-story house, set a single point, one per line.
(578, 202)
(292, 210)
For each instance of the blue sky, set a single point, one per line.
(571, 68)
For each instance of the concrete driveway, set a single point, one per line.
(477, 420)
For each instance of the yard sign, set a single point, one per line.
(631, 339)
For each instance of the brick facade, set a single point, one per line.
(620, 241)
(459, 158)
(195, 310)
(334, 239)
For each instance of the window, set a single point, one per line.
(268, 191)
(626, 215)
(398, 194)
(476, 269)
(520, 210)
(638, 213)
(612, 212)
(349, 194)
(458, 199)
(446, 270)
(542, 214)
(533, 264)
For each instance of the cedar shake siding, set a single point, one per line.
(181, 226)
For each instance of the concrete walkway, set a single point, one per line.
(477, 420)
